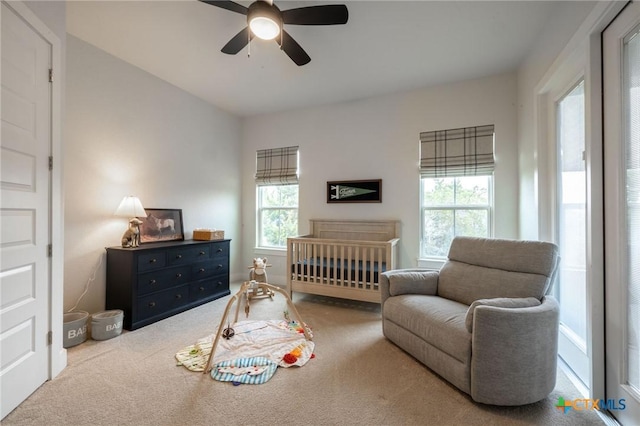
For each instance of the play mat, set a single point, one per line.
(253, 353)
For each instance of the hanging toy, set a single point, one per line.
(228, 332)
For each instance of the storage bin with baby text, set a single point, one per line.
(106, 325)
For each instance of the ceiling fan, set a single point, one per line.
(265, 20)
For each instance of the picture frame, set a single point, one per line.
(354, 191)
(161, 225)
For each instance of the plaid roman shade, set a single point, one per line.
(457, 152)
(277, 166)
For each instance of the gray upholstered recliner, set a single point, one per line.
(484, 322)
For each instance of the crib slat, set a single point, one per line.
(334, 259)
(322, 257)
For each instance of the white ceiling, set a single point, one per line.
(386, 47)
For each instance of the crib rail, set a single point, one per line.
(339, 268)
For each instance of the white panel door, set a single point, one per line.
(621, 56)
(25, 147)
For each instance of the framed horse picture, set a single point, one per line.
(161, 225)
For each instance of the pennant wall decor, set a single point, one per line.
(354, 191)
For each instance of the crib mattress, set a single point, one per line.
(360, 271)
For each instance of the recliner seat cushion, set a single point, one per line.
(438, 321)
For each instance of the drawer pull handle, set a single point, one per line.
(219, 283)
(178, 296)
(219, 250)
(178, 275)
(152, 282)
(201, 288)
(219, 266)
(152, 304)
(202, 253)
(178, 256)
(153, 261)
(201, 269)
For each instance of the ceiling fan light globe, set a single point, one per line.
(264, 27)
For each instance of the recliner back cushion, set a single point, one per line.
(484, 268)
(465, 283)
(533, 257)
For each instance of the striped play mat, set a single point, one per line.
(253, 371)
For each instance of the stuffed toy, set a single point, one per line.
(258, 272)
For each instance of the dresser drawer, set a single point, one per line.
(220, 250)
(204, 270)
(206, 288)
(163, 279)
(162, 301)
(187, 255)
(152, 260)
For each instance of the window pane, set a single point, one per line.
(632, 199)
(438, 232)
(454, 207)
(472, 190)
(277, 214)
(277, 225)
(438, 192)
(279, 196)
(572, 190)
(472, 223)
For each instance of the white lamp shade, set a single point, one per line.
(131, 207)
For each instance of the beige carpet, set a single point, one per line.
(357, 378)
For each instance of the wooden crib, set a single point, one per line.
(342, 258)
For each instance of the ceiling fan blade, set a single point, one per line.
(238, 42)
(332, 14)
(294, 50)
(229, 5)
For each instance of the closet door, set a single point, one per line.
(25, 185)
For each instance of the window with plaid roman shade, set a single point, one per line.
(277, 166)
(457, 152)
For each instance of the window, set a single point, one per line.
(454, 206)
(456, 189)
(277, 182)
(277, 214)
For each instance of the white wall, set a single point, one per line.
(378, 138)
(128, 132)
(532, 162)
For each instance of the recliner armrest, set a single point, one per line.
(514, 353)
(408, 281)
(500, 302)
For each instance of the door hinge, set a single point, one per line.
(50, 163)
(49, 250)
(50, 75)
(50, 338)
